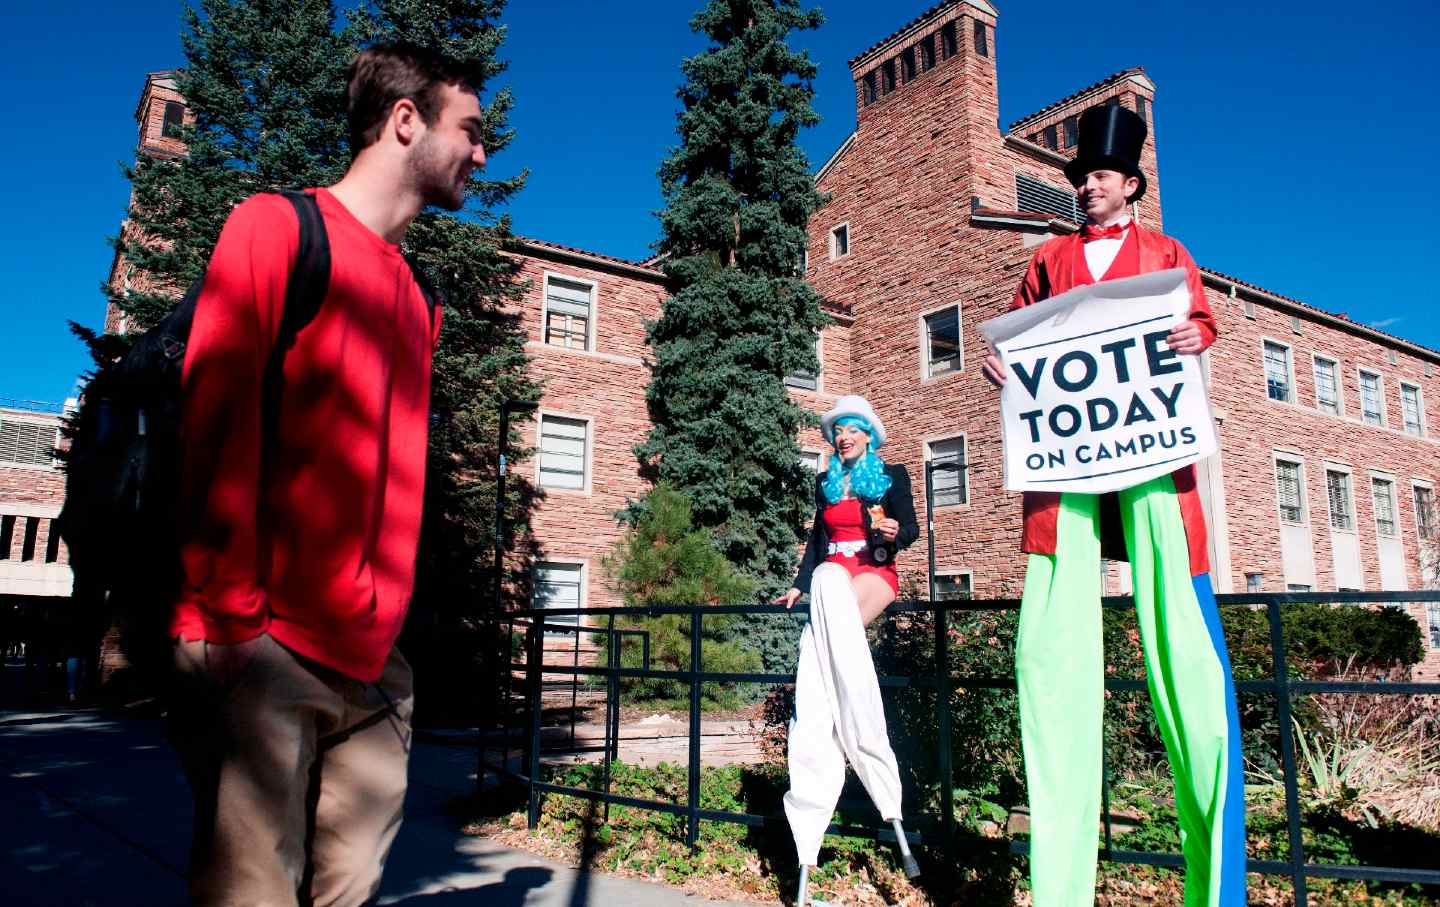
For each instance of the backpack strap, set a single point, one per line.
(304, 294)
(433, 297)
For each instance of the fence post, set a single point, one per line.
(943, 688)
(692, 828)
(1287, 751)
(536, 646)
(612, 704)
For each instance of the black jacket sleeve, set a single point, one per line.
(900, 505)
(816, 549)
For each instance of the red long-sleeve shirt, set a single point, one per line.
(321, 553)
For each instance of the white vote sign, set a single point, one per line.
(1094, 399)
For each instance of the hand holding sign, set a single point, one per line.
(1102, 398)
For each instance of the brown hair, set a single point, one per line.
(386, 73)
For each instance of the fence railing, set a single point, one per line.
(930, 829)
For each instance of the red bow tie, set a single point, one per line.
(1114, 231)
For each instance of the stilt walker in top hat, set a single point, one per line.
(1158, 526)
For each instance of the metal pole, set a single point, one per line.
(943, 688)
(692, 830)
(536, 646)
(504, 446)
(612, 688)
(490, 627)
(930, 525)
(1287, 752)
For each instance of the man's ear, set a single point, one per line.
(405, 120)
(1132, 186)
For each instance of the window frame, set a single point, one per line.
(1142, 107)
(588, 451)
(949, 40)
(1265, 344)
(1360, 373)
(982, 39)
(957, 572)
(1350, 515)
(1419, 408)
(908, 68)
(927, 372)
(1070, 129)
(1315, 360)
(1428, 529)
(591, 329)
(835, 254)
(1376, 479)
(583, 565)
(927, 446)
(1254, 583)
(1432, 619)
(818, 454)
(870, 87)
(170, 129)
(1281, 456)
(795, 381)
(888, 78)
(926, 53)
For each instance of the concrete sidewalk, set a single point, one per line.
(97, 813)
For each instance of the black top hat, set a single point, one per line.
(1111, 137)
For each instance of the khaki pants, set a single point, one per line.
(298, 773)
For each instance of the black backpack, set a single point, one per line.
(122, 469)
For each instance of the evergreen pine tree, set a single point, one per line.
(266, 83)
(739, 194)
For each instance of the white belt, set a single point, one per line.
(849, 549)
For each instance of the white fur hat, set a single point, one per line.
(853, 405)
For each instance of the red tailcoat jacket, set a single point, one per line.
(1059, 265)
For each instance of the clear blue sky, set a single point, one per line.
(1297, 141)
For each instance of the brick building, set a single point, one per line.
(34, 565)
(1325, 477)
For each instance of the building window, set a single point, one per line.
(568, 305)
(868, 88)
(52, 544)
(1432, 615)
(949, 41)
(982, 40)
(7, 536)
(172, 120)
(942, 342)
(810, 459)
(1410, 409)
(1072, 131)
(927, 53)
(1112, 101)
(1337, 489)
(1288, 489)
(887, 77)
(563, 453)
(1425, 511)
(1372, 407)
(840, 241)
(1052, 141)
(1142, 107)
(1327, 390)
(1384, 491)
(1298, 587)
(32, 533)
(950, 587)
(27, 443)
(907, 64)
(805, 380)
(1040, 197)
(1252, 581)
(1277, 372)
(560, 586)
(950, 486)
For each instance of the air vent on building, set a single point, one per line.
(1249, 309)
(1295, 323)
(1428, 370)
(1041, 197)
(1394, 360)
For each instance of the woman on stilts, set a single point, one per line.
(865, 515)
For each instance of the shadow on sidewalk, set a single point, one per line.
(512, 891)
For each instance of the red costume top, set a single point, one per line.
(319, 550)
(1060, 265)
(845, 522)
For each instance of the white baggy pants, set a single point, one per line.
(838, 715)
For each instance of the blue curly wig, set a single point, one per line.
(867, 475)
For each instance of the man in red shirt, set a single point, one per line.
(1159, 527)
(293, 704)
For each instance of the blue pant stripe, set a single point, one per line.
(1232, 819)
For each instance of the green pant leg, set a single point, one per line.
(1187, 683)
(1059, 668)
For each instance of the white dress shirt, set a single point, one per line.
(1100, 253)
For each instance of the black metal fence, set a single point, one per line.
(930, 829)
